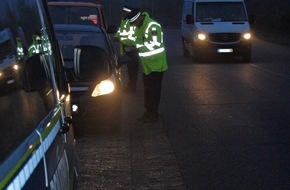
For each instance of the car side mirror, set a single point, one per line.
(91, 63)
(188, 19)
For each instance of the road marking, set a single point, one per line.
(269, 71)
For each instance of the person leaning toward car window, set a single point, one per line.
(125, 36)
(150, 45)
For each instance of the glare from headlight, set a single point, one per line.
(104, 87)
(201, 36)
(247, 36)
(16, 67)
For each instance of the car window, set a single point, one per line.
(75, 15)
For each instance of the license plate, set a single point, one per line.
(226, 50)
(10, 81)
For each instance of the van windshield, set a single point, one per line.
(220, 12)
(74, 15)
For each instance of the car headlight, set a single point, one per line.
(15, 67)
(201, 36)
(104, 87)
(247, 36)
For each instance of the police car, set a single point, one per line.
(37, 140)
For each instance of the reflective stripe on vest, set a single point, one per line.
(154, 42)
(153, 52)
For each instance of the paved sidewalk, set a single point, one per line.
(138, 157)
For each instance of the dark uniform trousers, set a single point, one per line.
(152, 91)
(133, 69)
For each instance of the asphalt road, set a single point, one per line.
(228, 121)
(224, 125)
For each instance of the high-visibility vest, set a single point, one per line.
(20, 50)
(126, 34)
(35, 47)
(149, 41)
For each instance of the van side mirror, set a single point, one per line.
(91, 64)
(188, 19)
(252, 19)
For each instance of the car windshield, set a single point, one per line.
(74, 15)
(69, 40)
(220, 12)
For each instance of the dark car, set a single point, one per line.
(37, 139)
(94, 74)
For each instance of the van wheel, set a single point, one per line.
(186, 53)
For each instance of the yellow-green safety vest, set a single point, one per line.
(149, 41)
(126, 34)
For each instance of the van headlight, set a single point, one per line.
(247, 36)
(201, 36)
(104, 87)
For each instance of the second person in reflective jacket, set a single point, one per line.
(125, 36)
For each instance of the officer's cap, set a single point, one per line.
(127, 8)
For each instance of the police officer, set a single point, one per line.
(125, 35)
(36, 46)
(150, 45)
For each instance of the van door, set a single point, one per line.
(36, 147)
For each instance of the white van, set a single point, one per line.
(215, 27)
